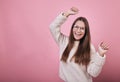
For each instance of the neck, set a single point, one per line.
(76, 43)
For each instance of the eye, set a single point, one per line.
(83, 28)
(76, 26)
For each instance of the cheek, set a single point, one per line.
(74, 31)
(83, 31)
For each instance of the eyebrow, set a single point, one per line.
(79, 26)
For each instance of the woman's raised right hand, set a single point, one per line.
(72, 11)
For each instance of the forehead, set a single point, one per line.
(80, 23)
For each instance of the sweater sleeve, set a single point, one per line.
(95, 66)
(55, 29)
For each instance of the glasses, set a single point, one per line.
(78, 27)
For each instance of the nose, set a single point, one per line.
(79, 30)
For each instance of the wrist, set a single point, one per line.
(101, 54)
(65, 14)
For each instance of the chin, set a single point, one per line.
(78, 39)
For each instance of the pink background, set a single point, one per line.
(28, 52)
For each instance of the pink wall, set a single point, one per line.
(28, 52)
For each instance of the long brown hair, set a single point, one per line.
(82, 55)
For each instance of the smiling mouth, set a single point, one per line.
(78, 34)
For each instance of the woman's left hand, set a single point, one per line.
(103, 48)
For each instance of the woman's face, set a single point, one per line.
(79, 30)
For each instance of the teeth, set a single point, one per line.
(78, 34)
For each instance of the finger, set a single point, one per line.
(101, 44)
(74, 9)
(105, 46)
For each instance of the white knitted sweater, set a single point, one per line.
(70, 71)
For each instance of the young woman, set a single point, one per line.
(79, 61)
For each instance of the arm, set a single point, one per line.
(55, 28)
(56, 24)
(97, 60)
